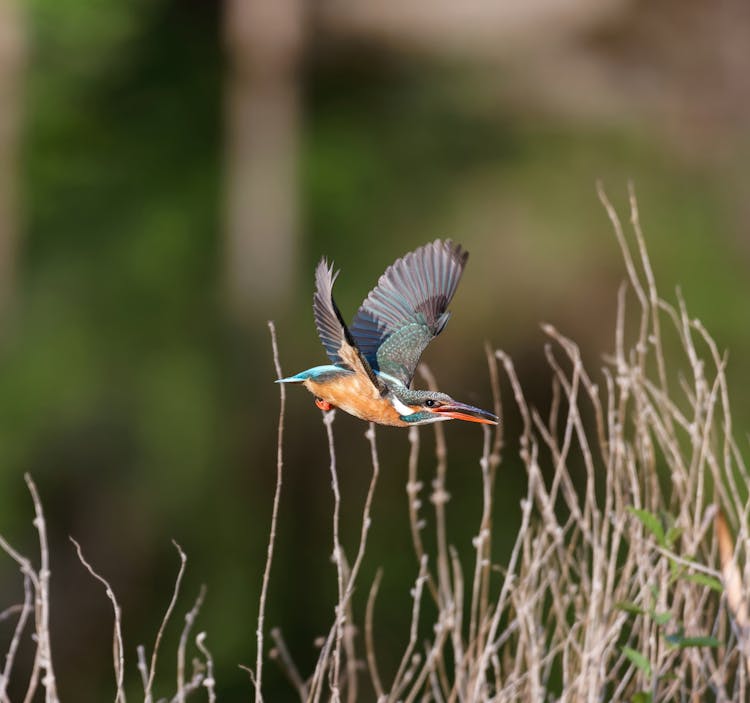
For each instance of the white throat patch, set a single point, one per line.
(401, 409)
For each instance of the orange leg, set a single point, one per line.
(323, 404)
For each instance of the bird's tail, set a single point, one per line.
(317, 373)
(291, 379)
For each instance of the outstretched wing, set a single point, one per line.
(332, 330)
(408, 308)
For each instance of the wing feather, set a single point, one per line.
(408, 308)
(328, 319)
(335, 336)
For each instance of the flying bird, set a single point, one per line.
(374, 359)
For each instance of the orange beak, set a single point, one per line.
(459, 411)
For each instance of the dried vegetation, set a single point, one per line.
(628, 577)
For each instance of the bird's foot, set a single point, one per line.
(324, 405)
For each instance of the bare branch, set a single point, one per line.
(170, 608)
(181, 648)
(117, 649)
(258, 676)
(288, 666)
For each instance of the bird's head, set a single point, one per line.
(423, 407)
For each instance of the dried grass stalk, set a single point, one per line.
(36, 584)
(616, 589)
(612, 589)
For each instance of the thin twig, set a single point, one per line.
(26, 609)
(170, 608)
(258, 676)
(338, 558)
(369, 638)
(439, 498)
(182, 647)
(208, 682)
(44, 651)
(288, 665)
(117, 649)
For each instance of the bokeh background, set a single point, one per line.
(172, 170)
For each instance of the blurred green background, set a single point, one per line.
(170, 173)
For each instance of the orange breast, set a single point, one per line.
(357, 396)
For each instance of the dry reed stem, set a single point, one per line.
(281, 652)
(39, 592)
(10, 656)
(413, 489)
(439, 498)
(346, 579)
(338, 559)
(36, 600)
(258, 674)
(118, 652)
(369, 637)
(610, 589)
(209, 682)
(590, 585)
(148, 689)
(44, 651)
(182, 648)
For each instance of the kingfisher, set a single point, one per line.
(374, 359)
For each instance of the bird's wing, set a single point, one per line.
(408, 308)
(332, 330)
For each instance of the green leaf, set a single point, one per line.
(704, 641)
(680, 641)
(705, 580)
(662, 618)
(642, 697)
(638, 659)
(629, 607)
(650, 521)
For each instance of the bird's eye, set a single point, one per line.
(430, 403)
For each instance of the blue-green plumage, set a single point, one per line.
(317, 373)
(374, 360)
(408, 308)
